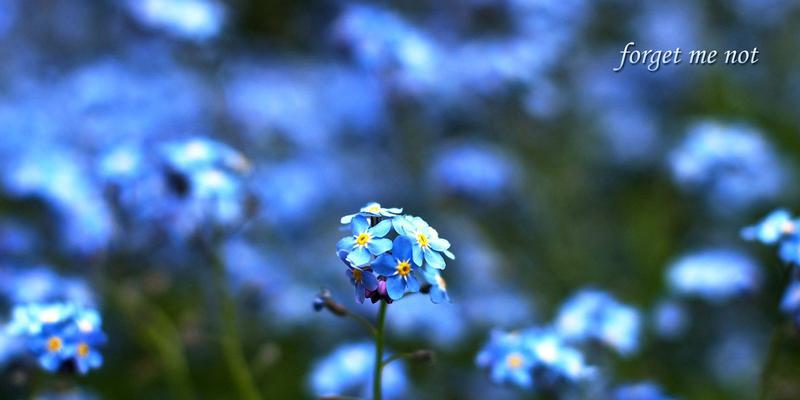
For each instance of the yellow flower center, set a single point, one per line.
(514, 360)
(375, 209)
(403, 268)
(54, 344)
(440, 281)
(83, 350)
(362, 239)
(357, 275)
(422, 239)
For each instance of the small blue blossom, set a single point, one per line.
(197, 20)
(532, 359)
(789, 250)
(426, 243)
(348, 372)
(790, 303)
(398, 268)
(438, 290)
(669, 319)
(595, 315)
(775, 226)
(59, 334)
(639, 391)
(363, 280)
(714, 274)
(366, 241)
(373, 210)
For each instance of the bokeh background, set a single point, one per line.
(498, 121)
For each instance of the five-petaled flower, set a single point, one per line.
(366, 241)
(398, 268)
(438, 290)
(425, 241)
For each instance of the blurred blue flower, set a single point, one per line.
(475, 171)
(732, 163)
(60, 333)
(373, 209)
(714, 274)
(594, 315)
(398, 268)
(532, 359)
(426, 243)
(790, 303)
(639, 391)
(366, 241)
(775, 226)
(188, 19)
(348, 372)
(445, 327)
(669, 319)
(40, 285)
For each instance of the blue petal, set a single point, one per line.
(417, 255)
(346, 243)
(379, 246)
(439, 244)
(434, 259)
(400, 225)
(360, 293)
(412, 283)
(381, 229)
(347, 219)
(394, 210)
(396, 286)
(385, 265)
(360, 224)
(449, 255)
(437, 295)
(370, 281)
(359, 256)
(402, 248)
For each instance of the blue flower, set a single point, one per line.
(426, 243)
(373, 210)
(363, 280)
(790, 304)
(196, 20)
(775, 226)
(438, 290)
(348, 372)
(714, 274)
(398, 268)
(789, 250)
(595, 315)
(60, 333)
(533, 358)
(366, 241)
(639, 391)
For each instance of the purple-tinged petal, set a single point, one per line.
(370, 281)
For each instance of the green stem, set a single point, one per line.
(378, 369)
(772, 355)
(230, 339)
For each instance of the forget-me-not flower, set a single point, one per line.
(366, 241)
(426, 243)
(398, 268)
(373, 209)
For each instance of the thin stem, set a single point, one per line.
(230, 339)
(378, 369)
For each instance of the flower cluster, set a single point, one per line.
(387, 269)
(62, 336)
(532, 359)
(781, 229)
